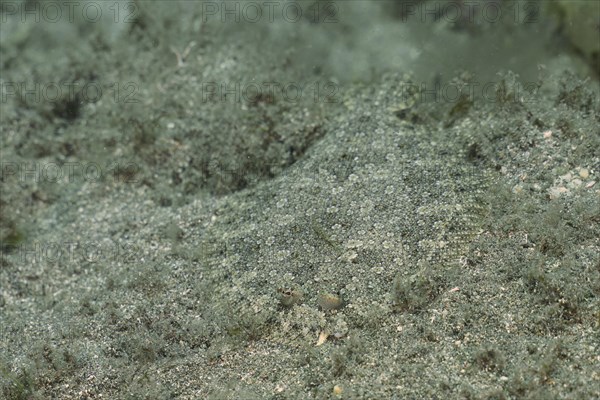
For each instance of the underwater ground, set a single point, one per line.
(300, 200)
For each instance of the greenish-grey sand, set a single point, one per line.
(364, 237)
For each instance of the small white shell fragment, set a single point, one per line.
(322, 338)
(584, 173)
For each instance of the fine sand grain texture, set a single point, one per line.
(372, 200)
